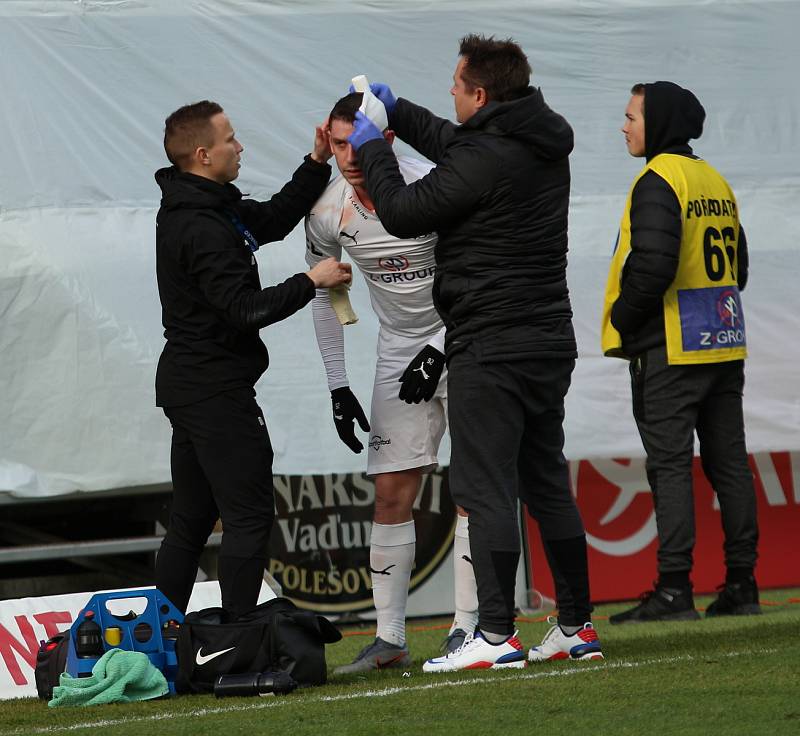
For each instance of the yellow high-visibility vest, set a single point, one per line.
(703, 317)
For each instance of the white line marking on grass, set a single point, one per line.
(382, 693)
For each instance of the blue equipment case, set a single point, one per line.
(144, 633)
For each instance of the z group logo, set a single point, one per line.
(395, 263)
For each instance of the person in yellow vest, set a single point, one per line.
(673, 309)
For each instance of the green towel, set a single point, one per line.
(118, 676)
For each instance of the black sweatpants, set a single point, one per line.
(221, 468)
(670, 404)
(507, 440)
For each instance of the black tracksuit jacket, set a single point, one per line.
(499, 199)
(211, 297)
(672, 116)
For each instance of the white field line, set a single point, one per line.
(436, 684)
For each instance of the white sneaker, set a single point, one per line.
(557, 645)
(478, 654)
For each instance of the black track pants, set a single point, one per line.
(221, 468)
(670, 404)
(507, 440)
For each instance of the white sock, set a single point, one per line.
(466, 590)
(391, 556)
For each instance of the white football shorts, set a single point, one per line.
(403, 436)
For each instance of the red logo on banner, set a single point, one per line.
(617, 509)
(27, 645)
(616, 505)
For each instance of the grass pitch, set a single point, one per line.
(724, 676)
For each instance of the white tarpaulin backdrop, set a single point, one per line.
(86, 85)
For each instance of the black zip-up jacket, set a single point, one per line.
(672, 116)
(211, 296)
(498, 198)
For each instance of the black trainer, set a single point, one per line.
(736, 599)
(661, 604)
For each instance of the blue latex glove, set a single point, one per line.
(384, 93)
(363, 130)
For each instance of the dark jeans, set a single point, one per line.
(670, 404)
(221, 468)
(507, 440)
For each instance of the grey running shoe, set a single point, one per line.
(376, 656)
(453, 641)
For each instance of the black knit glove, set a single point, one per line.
(346, 409)
(422, 375)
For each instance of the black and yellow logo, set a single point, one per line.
(319, 549)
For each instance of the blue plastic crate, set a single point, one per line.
(143, 632)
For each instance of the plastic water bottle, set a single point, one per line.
(254, 683)
(89, 638)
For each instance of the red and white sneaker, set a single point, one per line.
(478, 654)
(557, 645)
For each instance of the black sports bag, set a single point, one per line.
(273, 636)
(51, 661)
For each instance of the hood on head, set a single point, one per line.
(672, 116)
(530, 120)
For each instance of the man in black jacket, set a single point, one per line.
(673, 309)
(212, 309)
(498, 197)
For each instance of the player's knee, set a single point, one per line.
(392, 508)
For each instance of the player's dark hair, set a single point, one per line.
(345, 109)
(186, 129)
(500, 67)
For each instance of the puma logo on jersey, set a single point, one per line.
(385, 571)
(343, 234)
(466, 559)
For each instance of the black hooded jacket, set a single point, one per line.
(499, 199)
(672, 116)
(211, 296)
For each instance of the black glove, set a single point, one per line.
(422, 375)
(345, 409)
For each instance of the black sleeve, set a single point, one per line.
(275, 219)
(220, 266)
(421, 129)
(655, 248)
(275, 303)
(448, 192)
(742, 260)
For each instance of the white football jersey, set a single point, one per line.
(399, 272)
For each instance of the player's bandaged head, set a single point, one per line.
(345, 109)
